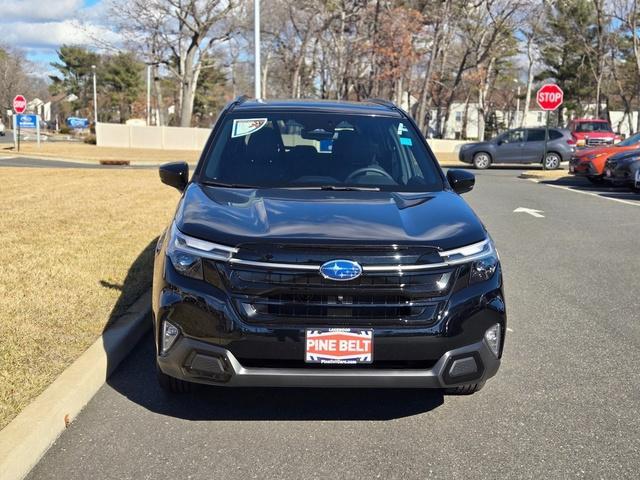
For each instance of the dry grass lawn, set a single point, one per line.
(93, 154)
(71, 239)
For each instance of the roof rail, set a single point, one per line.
(381, 101)
(388, 104)
(240, 99)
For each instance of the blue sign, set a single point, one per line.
(27, 121)
(76, 122)
(326, 145)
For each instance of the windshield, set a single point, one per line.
(632, 140)
(593, 127)
(314, 150)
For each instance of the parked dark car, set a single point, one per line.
(319, 244)
(522, 145)
(623, 170)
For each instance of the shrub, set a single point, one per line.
(90, 139)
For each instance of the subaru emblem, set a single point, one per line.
(341, 270)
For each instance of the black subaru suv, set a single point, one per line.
(319, 244)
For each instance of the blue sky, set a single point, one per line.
(39, 27)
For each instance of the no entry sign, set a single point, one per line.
(19, 104)
(550, 96)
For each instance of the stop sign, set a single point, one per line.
(19, 104)
(550, 96)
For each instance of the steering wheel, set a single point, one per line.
(360, 171)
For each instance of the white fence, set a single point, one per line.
(177, 138)
(161, 138)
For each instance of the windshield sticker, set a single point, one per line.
(245, 126)
(406, 141)
(402, 129)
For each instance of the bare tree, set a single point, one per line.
(627, 12)
(178, 35)
(531, 26)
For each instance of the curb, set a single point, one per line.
(560, 174)
(27, 438)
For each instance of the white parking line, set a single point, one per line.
(598, 195)
(509, 330)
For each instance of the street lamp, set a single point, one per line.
(95, 97)
(256, 35)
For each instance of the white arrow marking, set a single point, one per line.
(531, 211)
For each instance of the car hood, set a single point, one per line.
(236, 216)
(582, 154)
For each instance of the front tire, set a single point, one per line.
(481, 160)
(172, 385)
(552, 161)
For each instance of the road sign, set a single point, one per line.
(76, 122)
(550, 97)
(27, 121)
(19, 104)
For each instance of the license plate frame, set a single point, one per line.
(338, 346)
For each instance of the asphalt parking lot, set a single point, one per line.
(565, 403)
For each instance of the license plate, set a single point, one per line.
(572, 169)
(343, 346)
(608, 172)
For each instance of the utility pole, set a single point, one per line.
(517, 117)
(256, 34)
(148, 95)
(95, 97)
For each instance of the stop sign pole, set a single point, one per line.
(549, 97)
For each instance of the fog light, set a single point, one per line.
(492, 337)
(169, 334)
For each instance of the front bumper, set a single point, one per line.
(217, 347)
(201, 362)
(582, 168)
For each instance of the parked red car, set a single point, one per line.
(590, 162)
(593, 132)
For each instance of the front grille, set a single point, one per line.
(279, 297)
(599, 141)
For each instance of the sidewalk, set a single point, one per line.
(85, 153)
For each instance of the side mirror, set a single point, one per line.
(461, 181)
(175, 174)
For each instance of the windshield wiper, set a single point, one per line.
(338, 188)
(346, 188)
(211, 183)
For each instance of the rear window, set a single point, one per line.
(298, 149)
(536, 135)
(555, 134)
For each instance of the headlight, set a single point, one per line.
(594, 155)
(483, 257)
(186, 253)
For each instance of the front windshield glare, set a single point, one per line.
(298, 150)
